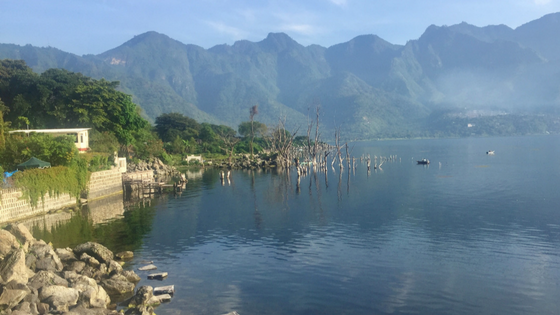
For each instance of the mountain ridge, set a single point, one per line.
(373, 87)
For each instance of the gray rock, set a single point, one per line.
(117, 286)
(76, 266)
(157, 276)
(89, 260)
(148, 267)
(33, 309)
(14, 285)
(21, 233)
(23, 307)
(114, 267)
(168, 289)
(80, 310)
(91, 294)
(69, 275)
(13, 267)
(10, 298)
(98, 251)
(30, 261)
(45, 263)
(43, 308)
(66, 255)
(47, 258)
(131, 276)
(46, 278)
(157, 300)
(59, 297)
(125, 255)
(8, 242)
(142, 296)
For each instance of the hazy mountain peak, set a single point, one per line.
(541, 35)
(150, 36)
(278, 42)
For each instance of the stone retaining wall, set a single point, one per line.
(105, 183)
(101, 184)
(13, 208)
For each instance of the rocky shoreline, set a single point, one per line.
(38, 279)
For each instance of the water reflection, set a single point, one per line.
(398, 239)
(106, 221)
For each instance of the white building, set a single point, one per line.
(81, 137)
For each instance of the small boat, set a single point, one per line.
(423, 162)
(490, 152)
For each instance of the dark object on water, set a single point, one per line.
(424, 162)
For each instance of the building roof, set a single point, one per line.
(67, 130)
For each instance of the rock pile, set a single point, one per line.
(153, 164)
(37, 279)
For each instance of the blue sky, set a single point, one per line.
(95, 26)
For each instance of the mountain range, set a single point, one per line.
(495, 79)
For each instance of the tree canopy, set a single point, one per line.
(58, 98)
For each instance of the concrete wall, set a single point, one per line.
(105, 183)
(13, 208)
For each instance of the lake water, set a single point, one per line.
(469, 234)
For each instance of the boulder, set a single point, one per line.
(43, 308)
(8, 242)
(13, 267)
(23, 308)
(46, 278)
(70, 275)
(131, 276)
(125, 255)
(76, 266)
(96, 250)
(91, 294)
(158, 299)
(21, 233)
(117, 285)
(59, 297)
(89, 260)
(46, 257)
(66, 255)
(80, 310)
(142, 296)
(114, 267)
(10, 298)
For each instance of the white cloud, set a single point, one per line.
(304, 29)
(339, 2)
(234, 32)
(542, 2)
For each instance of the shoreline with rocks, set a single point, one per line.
(38, 279)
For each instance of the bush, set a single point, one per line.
(35, 183)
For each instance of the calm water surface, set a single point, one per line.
(469, 234)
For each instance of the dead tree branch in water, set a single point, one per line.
(281, 141)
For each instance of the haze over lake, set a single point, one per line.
(477, 234)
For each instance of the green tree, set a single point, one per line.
(170, 125)
(3, 125)
(259, 129)
(207, 134)
(59, 151)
